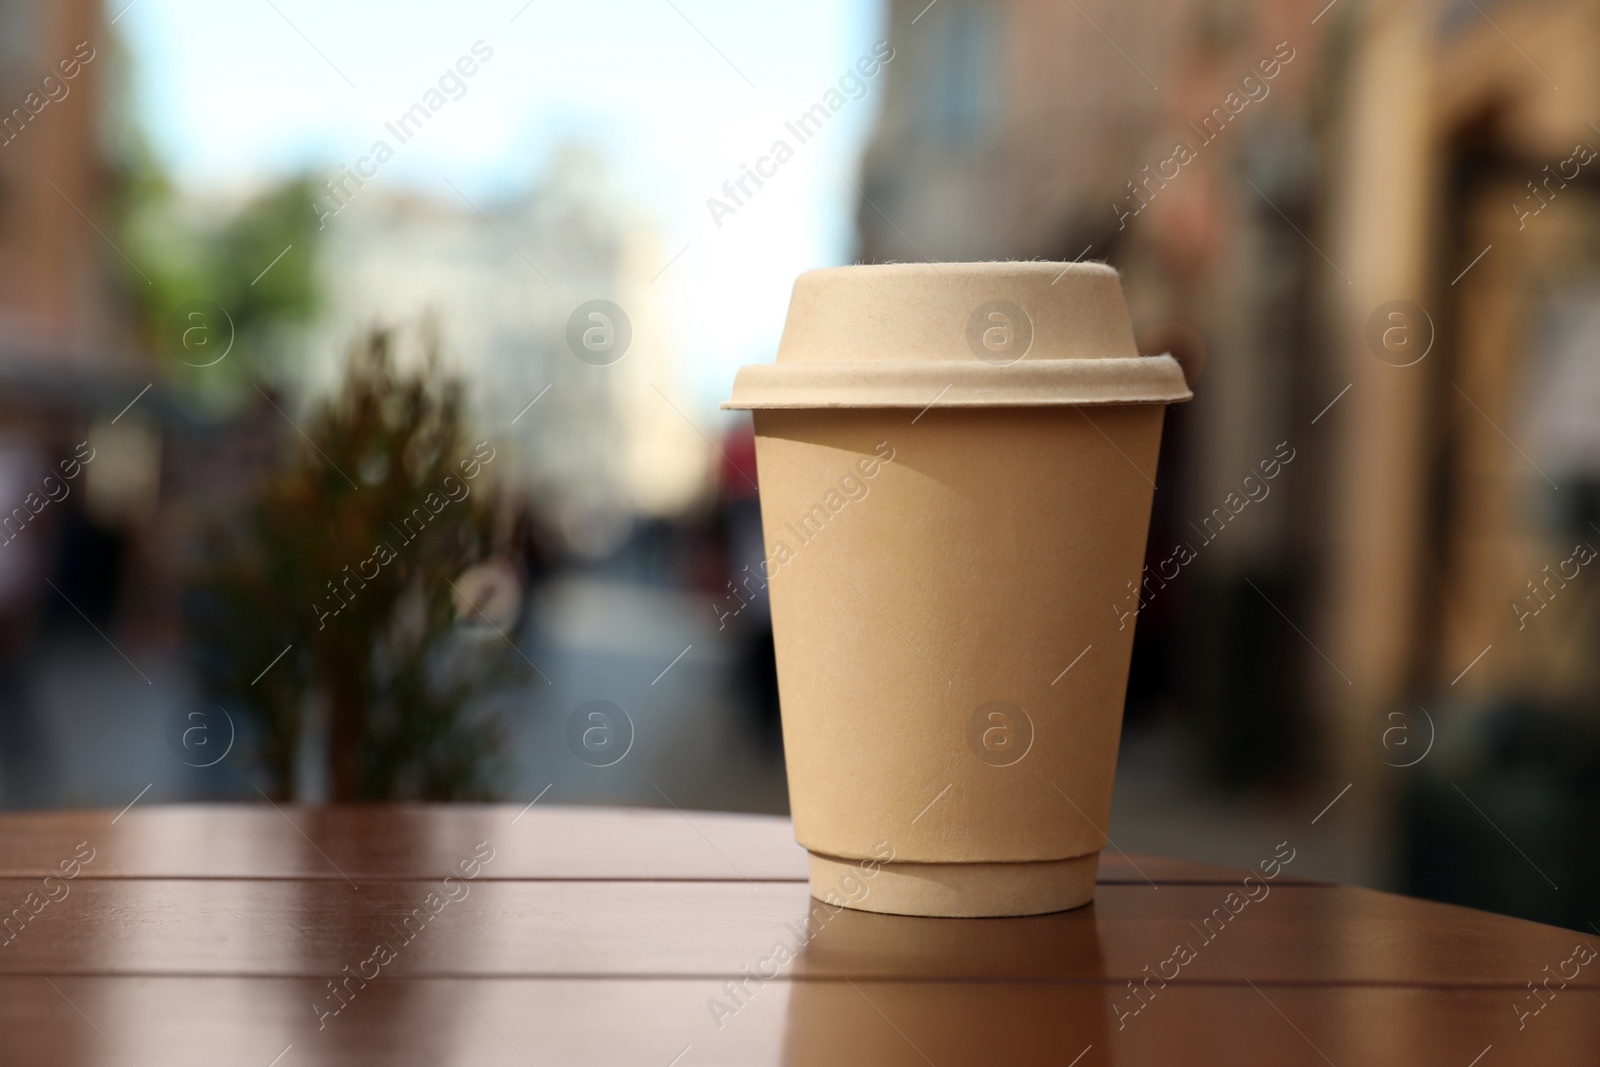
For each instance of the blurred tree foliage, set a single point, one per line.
(353, 554)
(207, 293)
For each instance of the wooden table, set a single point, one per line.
(213, 935)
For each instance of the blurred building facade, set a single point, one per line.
(77, 485)
(1467, 185)
(503, 283)
(67, 361)
(55, 292)
(1380, 220)
(1028, 129)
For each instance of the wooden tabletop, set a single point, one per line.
(278, 937)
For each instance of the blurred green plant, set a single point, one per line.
(357, 553)
(222, 277)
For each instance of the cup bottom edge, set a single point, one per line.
(957, 890)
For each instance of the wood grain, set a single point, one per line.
(216, 936)
(539, 842)
(637, 928)
(178, 1022)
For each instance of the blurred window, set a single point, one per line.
(1458, 15)
(1563, 403)
(961, 71)
(18, 26)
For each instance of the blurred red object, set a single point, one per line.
(738, 472)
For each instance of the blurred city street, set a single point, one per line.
(97, 736)
(360, 374)
(83, 729)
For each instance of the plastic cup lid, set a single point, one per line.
(1017, 334)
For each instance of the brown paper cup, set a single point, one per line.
(956, 465)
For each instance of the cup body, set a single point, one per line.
(953, 604)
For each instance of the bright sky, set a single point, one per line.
(677, 94)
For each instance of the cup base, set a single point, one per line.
(958, 890)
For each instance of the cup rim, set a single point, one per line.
(912, 384)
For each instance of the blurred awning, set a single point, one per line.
(39, 382)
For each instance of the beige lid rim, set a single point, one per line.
(908, 384)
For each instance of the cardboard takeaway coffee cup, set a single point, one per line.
(956, 465)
